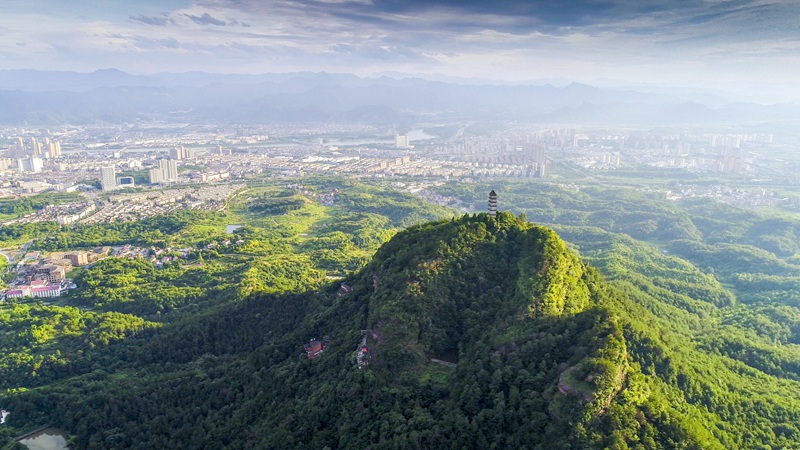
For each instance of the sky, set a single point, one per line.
(637, 41)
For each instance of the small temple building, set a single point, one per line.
(314, 348)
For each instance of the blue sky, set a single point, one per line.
(679, 41)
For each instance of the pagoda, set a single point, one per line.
(493, 203)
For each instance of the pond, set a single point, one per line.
(229, 229)
(47, 439)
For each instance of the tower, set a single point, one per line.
(108, 180)
(176, 152)
(493, 203)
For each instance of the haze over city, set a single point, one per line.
(748, 47)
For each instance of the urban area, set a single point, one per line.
(128, 173)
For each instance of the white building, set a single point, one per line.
(170, 169)
(40, 290)
(23, 291)
(33, 164)
(46, 291)
(401, 141)
(108, 178)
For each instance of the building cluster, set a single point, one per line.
(64, 214)
(31, 153)
(744, 197)
(135, 206)
(442, 200)
(180, 152)
(42, 277)
(209, 176)
(159, 154)
(220, 151)
(712, 153)
(34, 148)
(214, 164)
(520, 155)
(37, 276)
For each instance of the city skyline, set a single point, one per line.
(746, 44)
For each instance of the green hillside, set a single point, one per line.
(481, 332)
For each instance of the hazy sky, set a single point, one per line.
(636, 40)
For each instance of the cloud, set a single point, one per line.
(145, 43)
(207, 19)
(377, 52)
(153, 20)
(523, 38)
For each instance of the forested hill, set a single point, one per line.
(476, 332)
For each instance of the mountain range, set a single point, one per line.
(113, 96)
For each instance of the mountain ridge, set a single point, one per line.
(110, 95)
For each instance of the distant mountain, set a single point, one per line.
(50, 98)
(44, 81)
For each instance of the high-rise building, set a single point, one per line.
(155, 175)
(181, 153)
(535, 153)
(30, 164)
(54, 149)
(34, 147)
(541, 171)
(170, 169)
(401, 141)
(36, 164)
(166, 171)
(108, 178)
